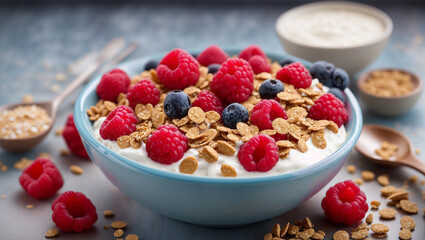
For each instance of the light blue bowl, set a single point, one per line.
(204, 200)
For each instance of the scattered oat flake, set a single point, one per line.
(379, 228)
(341, 235)
(405, 234)
(30, 206)
(276, 230)
(60, 77)
(51, 233)
(387, 190)
(293, 229)
(413, 179)
(383, 180)
(28, 98)
(108, 213)
(399, 195)
(75, 169)
(209, 154)
(284, 229)
(360, 234)
(407, 222)
(54, 88)
(64, 152)
(228, 171)
(387, 213)
(131, 237)
(118, 233)
(369, 218)
(359, 181)
(268, 236)
(118, 224)
(408, 206)
(188, 165)
(2, 196)
(351, 169)
(106, 227)
(417, 151)
(22, 164)
(317, 236)
(368, 176)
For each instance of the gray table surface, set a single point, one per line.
(36, 37)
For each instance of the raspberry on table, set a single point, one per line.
(345, 203)
(112, 84)
(208, 102)
(259, 154)
(212, 54)
(143, 92)
(121, 121)
(41, 179)
(329, 107)
(73, 139)
(233, 82)
(73, 212)
(265, 112)
(250, 51)
(166, 145)
(178, 70)
(259, 64)
(295, 74)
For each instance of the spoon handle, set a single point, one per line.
(415, 163)
(107, 52)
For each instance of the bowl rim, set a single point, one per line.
(82, 123)
(365, 76)
(337, 4)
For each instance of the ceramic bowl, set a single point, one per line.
(210, 201)
(390, 106)
(351, 58)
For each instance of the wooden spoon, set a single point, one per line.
(373, 135)
(25, 144)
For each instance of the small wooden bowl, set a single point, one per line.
(390, 106)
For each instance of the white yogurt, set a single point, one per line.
(293, 161)
(332, 28)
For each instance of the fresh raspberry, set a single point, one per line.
(259, 64)
(345, 203)
(41, 179)
(233, 82)
(265, 112)
(213, 54)
(73, 212)
(121, 121)
(112, 84)
(73, 139)
(208, 102)
(329, 107)
(251, 51)
(295, 74)
(178, 70)
(143, 92)
(259, 154)
(166, 145)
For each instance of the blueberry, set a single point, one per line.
(323, 71)
(233, 114)
(340, 78)
(270, 88)
(213, 68)
(176, 104)
(194, 56)
(152, 64)
(337, 93)
(286, 61)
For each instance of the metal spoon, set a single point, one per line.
(373, 135)
(25, 144)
